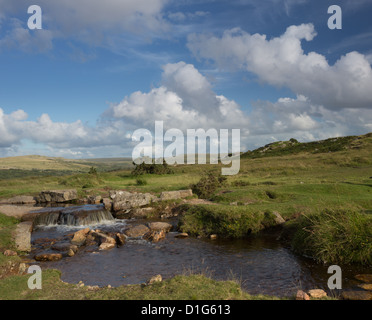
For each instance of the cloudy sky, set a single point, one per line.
(98, 70)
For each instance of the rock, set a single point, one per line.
(19, 200)
(106, 246)
(57, 196)
(123, 200)
(367, 278)
(10, 253)
(80, 237)
(120, 239)
(366, 286)
(181, 235)
(160, 226)
(278, 218)
(301, 295)
(317, 293)
(65, 246)
(157, 278)
(94, 199)
(23, 236)
(22, 268)
(103, 238)
(48, 256)
(70, 253)
(140, 213)
(356, 295)
(136, 231)
(154, 236)
(173, 195)
(107, 203)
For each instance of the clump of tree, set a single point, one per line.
(152, 168)
(208, 185)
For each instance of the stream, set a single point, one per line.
(261, 264)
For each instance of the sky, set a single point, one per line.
(99, 70)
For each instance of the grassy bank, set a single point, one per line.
(224, 220)
(334, 236)
(181, 287)
(7, 226)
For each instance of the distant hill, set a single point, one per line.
(281, 148)
(35, 165)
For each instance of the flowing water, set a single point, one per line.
(261, 264)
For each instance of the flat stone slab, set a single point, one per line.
(17, 211)
(22, 236)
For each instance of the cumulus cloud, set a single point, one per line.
(282, 62)
(184, 100)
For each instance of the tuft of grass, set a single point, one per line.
(335, 236)
(224, 220)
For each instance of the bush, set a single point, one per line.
(335, 236)
(152, 168)
(141, 182)
(208, 185)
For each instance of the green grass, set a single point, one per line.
(226, 221)
(334, 236)
(7, 226)
(181, 287)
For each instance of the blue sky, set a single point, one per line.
(98, 70)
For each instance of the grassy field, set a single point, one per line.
(323, 190)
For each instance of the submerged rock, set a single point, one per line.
(160, 226)
(136, 231)
(106, 246)
(181, 235)
(356, 295)
(80, 237)
(367, 278)
(47, 256)
(154, 236)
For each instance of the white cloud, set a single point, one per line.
(282, 62)
(184, 100)
(94, 22)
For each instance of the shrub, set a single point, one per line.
(141, 182)
(208, 185)
(152, 168)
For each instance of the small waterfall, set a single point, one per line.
(74, 216)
